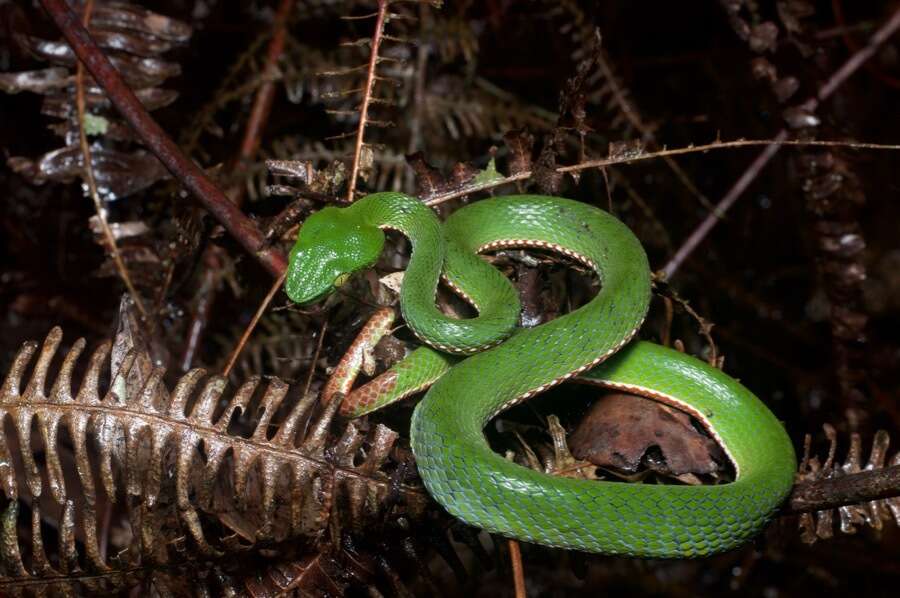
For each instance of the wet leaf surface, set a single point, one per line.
(625, 432)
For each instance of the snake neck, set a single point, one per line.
(433, 252)
(417, 222)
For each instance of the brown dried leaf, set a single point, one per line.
(313, 575)
(462, 174)
(521, 144)
(40, 81)
(429, 180)
(763, 69)
(792, 12)
(546, 176)
(117, 15)
(625, 150)
(619, 430)
(785, 88)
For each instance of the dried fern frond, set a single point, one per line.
(134, 39)
(193, 475)
(478, 111)
(820, 525)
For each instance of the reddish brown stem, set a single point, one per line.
(367, 95)
(836, 80)
(256, 122)
(162, 146)
(262, 103)
(515, 557)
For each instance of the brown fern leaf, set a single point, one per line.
(134, 38)
(820, 525)
(176, 464)
(453, 107)
(367, 92)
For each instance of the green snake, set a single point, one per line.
(505, 365)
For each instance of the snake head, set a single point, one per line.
(332, 245)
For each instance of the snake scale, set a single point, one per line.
(505, 365)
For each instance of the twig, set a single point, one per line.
(442, 197)
(262, 103)
(315, 359)
(162, 146)
(848, 68)
(691, 149)
(515, 557)
(638, 123)
(213, 255)
(730, 197)
(204, 295)
(850, 489)
(91, 181)
(377, 37)
(252, 325)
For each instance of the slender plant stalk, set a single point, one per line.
(259, 115)
(312, 366)
(252, 325)
(377, 37)
(619, 160)
(515, 557)
(91, 181)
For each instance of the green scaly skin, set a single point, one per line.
(457, 465)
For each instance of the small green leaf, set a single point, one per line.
(488, 175)
(95, 125)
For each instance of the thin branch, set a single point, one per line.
(92, 182)
(315, 359)
(691, 149)
(162, 146)
(262, 103)
(716, 145)
(252, 325)
(842, 74)
(850, 489)
(515, 557)
(466, 190)
(213, 256)
(377, 38)
(634, 117)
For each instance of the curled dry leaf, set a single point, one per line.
(118, 174)
(620, 430)
(545, 174)
(520, 144)
(429, 180)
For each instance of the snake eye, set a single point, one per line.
(341, 279)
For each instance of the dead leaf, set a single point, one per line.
(545, 174)
(520, 144)
(626, 431)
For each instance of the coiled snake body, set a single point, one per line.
(507, 365)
